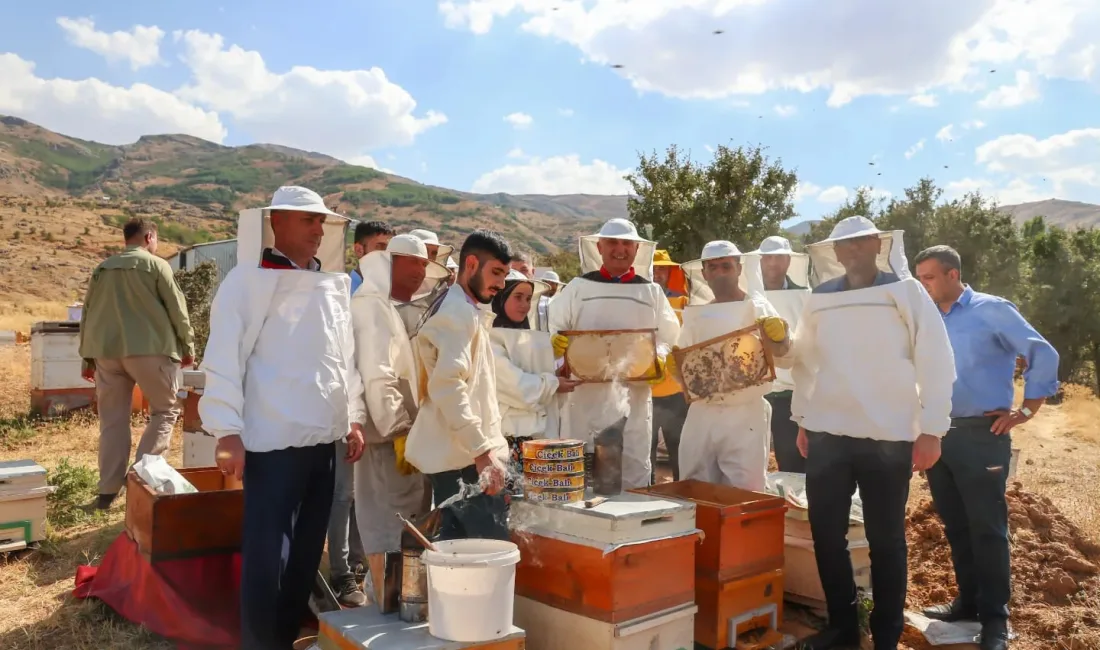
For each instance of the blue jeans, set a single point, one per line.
(345, 549)
(286, 508)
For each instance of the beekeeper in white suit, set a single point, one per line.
(614, 292)
(437, 252)
(413, 312)
(384, 482)
(542, 309)
(786, 276)
(281, 389)
(873, 377)
(725, 437)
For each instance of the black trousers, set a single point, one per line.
(968, 489)
(785, 434)
(835, 467)
(287, 500)
(669, 414)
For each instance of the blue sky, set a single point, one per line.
(425, 88)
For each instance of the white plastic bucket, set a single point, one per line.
(471, 589)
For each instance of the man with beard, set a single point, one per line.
(456, 435)
(615, 293)
(281, 389)
(726, 434)
(384, 482)
(872, 397)
(968, 483)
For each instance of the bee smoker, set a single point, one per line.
(607, 464)
(414, 581)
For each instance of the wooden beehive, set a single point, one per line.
(170, 526)
(725, 364)
(601, 356)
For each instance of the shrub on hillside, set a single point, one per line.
(198, 285)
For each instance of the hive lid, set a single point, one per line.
(627, 517)
(17, 469)
(56, 327)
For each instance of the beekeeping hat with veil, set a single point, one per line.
(622, 229)
(431, 239)
(254, 232)
(511, 281)
(377, 266)
(750, 281)
(829, 256)
(799, 270)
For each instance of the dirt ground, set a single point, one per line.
(1055, 522)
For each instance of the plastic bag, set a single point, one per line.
(162, 477)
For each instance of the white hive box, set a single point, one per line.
(549, 628)
(55, 356)
(624, 518)
(23, 493)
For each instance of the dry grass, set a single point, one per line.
(18, 315)
(36, 608)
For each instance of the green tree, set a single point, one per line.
(567, 264)
(741, 195)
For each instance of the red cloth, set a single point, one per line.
(193, 601)
(624, 278)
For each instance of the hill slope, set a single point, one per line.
(1068, 214)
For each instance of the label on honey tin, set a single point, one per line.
(569, 496)
(551, 467)
(554, 481)
(560, 453)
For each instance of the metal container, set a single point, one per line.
(554, 466)
(607, 467)
(553, 450)
(553, 495)
(414, 581)
(557, 481)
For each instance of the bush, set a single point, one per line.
(75, 486)
(197, 286)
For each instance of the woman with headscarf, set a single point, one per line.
(527, 382)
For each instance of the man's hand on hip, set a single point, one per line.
(355, 443)
(1006, 420)
(491, 472)
(926, 451)
(230, 456)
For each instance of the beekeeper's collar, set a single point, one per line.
(750, 281)
(377, 267)
(825, 265)
(429, 237)
(254, 232)
(799, 270)
(591, 260)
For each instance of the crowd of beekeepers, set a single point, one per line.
(341, 399)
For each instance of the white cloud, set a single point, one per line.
(1025, 90)
(140, 46)
(667, 46)
(946, 133)
(554, 175)
(926, 100)
(708, 148)
(565, 112)
(369, 161)
(915, 149)
(834, 194)
(345, 113)
(1070, 161)
(805, 190)
(94, 110)
(1012, 192)
(973, 124)
(517, 153)
(785, 110)
(519, 120)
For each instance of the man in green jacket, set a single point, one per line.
(134, 330)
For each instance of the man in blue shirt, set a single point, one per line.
(968, 483)
(369, 236)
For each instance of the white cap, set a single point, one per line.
(429, 237)
(775, 245)
(302, 199)
(852, 227)
(620, 229)
(591, 260)
(712, 251)
(548, 275)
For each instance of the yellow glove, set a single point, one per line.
(404, 467)
(560, 343)
(662, 368)
(775, 328)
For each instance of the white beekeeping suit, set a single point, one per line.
(725, 437)
(861, 355)
(384, 357)
(414, 312)
(527, 386)
(594, 301)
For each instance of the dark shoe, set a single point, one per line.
(832, 639)
(348, 593)
(994, 635)
(102, 502)
(952, 612)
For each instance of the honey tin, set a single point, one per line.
(553, 450)
(553, 495)
(554, 466)
(552, 481)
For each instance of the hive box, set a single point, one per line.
(170, 526)
(56, 384)
(23, 492)
(629, 557)
(742, 530)
(550, 628)
(732, 607)
(363, 628)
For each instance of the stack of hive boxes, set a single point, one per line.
(739, 565)
(616, 576)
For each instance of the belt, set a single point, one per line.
(972, 421)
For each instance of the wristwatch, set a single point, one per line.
(1027, 412)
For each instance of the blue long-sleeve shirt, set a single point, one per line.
(987, 334)
(356, 280)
